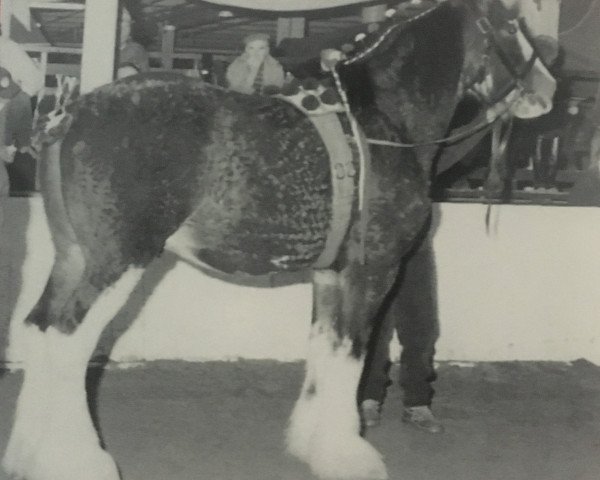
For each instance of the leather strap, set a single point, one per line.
(343, 183)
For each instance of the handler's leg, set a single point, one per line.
(412, 310)
(375, 378)
(416, 314)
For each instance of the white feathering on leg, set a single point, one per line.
(53, 437)
(324, 429)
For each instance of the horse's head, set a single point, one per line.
(509, 44)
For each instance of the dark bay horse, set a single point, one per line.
(242, 183)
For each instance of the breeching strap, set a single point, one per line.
(342, 183)
(364, 162)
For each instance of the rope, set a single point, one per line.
(451, 138)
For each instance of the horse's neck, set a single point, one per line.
(414, 82)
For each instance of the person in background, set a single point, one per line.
(16, 120)
(24, 70)
(27, 80)
(133, 57)
(255, 70)
(586, 190)
(319, 68)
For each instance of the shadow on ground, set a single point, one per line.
(225, 421)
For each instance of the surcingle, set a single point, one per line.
(312, 97)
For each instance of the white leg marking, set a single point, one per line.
(53, 436)
(324, 428)
(304, 418)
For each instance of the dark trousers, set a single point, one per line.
(412, 311)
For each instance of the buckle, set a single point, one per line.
(484, 25)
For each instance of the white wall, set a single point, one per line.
(527, 291)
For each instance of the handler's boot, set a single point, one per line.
(370, 412)
(422, 418)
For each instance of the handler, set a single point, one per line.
(586, 191)
(413, 313)
(15, 128)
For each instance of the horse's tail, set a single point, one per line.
(52, 118)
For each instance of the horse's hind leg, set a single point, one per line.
(53, 436)
(324, 428)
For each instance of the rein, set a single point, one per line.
(462, 134)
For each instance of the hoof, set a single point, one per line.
(302, 426)
(58, 464)
(334, 457)
(370, 413)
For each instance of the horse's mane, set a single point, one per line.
(390, 30)
(415, 54)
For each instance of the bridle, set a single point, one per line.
(508, 94)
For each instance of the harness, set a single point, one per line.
(341, 155)
(345, 150)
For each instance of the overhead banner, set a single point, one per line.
(287, 5)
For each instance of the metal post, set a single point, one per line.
(99, 43)
(168, 46)
(6, 16)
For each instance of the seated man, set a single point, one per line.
(255, 69)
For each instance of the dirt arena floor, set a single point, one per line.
(225, 421)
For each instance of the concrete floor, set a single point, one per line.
(225, 421)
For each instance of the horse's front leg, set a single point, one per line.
(324, 428)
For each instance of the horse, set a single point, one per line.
(233, 183)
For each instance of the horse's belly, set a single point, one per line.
(255, 243)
